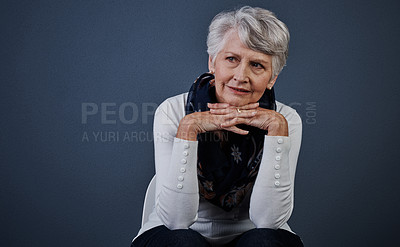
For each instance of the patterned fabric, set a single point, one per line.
(228, 163)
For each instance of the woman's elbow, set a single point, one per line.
(176, 218)
(273, 218)
(176, 222)
(269, 221)
(178, 225)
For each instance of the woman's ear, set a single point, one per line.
(211, 67)
(271, 83)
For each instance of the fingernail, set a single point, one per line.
(254, 113)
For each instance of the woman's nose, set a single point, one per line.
(241, 73)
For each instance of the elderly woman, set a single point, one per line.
(226, 151)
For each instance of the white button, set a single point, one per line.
(277, 183)
(277, 167)
(277, 175)
(180, 178)
(183, 169)
(278, 158)
(183, 161)
(280, 140)
(185, 153)
(186, 145)
(179, 186)
(278, 150)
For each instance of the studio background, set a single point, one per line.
(60, 60)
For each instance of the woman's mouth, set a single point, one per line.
(237, 90)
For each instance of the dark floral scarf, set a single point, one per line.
(228, 163)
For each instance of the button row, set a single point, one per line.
(277, 166)
(183, 169)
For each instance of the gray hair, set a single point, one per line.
(258, 29)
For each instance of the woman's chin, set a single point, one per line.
(236, 100)
(237, 103)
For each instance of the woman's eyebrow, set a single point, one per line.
(261, 61)
(255, 60)
(231, 53)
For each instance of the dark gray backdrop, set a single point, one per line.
(62, 59)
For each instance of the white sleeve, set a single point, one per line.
(271, 202)
(177, 195)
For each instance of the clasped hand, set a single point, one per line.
(223, 116)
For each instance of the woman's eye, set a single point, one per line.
(257, 65)
(230, 59)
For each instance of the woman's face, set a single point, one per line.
(241, 74)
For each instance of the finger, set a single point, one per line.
(246, 114)
(217, 105)
(235, 121)
(236, 130)
(225, 105)
(237, 118)
(221, 111)
(249, 106)
(233, 112)
(230, 123)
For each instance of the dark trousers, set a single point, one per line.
(161, 236)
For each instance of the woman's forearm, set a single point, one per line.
(178, 201)
(177, 194)
(271, 199)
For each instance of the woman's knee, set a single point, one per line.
(269, 238)
(162, 236)
(187, 238)
(260, 237)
